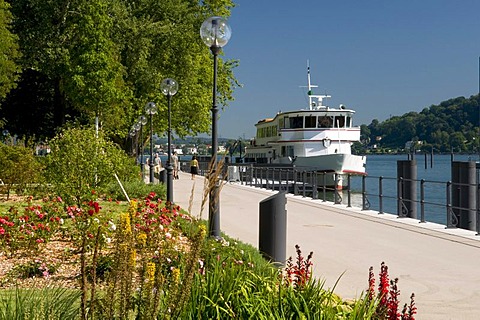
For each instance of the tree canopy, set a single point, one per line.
(451, 124)
(83, 58)
(9, 52)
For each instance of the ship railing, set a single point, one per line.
(377, 193)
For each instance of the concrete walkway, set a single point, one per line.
(441, 266)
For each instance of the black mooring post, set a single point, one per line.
(431, 159)
(407, 191)
(464, 199)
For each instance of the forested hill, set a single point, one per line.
(451, 124)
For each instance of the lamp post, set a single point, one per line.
(132, 133)
(240, 149)
(169, 88)
(215, 33)
(151, 109)
(142, 120)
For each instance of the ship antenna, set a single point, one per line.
(314, 104)
(310, 86)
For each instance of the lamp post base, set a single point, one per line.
(214, 209)
(152, 177)
(169, 183)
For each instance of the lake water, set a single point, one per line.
(385, 166)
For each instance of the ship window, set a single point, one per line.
(340, 122)
(280, 122)
(349, 122)
(325, 122)
(310, 122)
(290, 152)
(286, 124)
(296, 122)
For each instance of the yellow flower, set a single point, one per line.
(151, 271)
(176, 275)
(203, 230)
(125, 223)
(142, 239)
(133, 258)
(133, 207)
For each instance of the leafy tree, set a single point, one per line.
(9, 52)
(18, 168)
(108, 58)
(93, 80)
(457, 141)
(80, 162)
(365, 134)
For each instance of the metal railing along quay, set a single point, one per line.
(436, 201)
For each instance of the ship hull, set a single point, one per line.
(332, 169)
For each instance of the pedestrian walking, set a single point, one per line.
(194, 167)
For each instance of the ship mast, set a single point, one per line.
(315, 101)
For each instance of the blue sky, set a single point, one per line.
(379, 57)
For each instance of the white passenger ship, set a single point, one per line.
(317, 138)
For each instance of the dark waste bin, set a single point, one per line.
(273, 228)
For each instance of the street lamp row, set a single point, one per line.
(215, 33)
(169, 88)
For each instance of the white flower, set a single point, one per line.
(61, 221)
(111, 226)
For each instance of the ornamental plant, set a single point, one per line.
(387, 297)
(34, 225)
(299, 273)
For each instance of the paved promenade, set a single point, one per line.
(441, 266)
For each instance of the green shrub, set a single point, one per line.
(19, 169)
(103, 267)
(136, 189)
(81, 162)
(31, 269)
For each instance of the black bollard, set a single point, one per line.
(273, 228)
(464, 193)
(407, 188)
